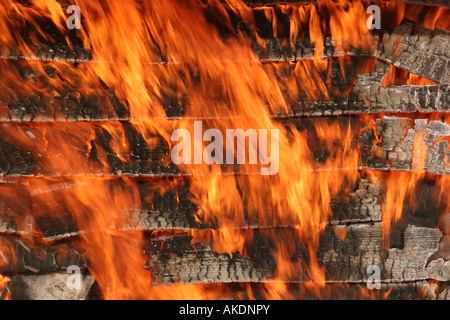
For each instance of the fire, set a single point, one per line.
(400, 77)
(145, 51)
(7, 258)
(4, 292)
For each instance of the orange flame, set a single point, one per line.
(223, 77)
(4, 292)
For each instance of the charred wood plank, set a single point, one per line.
(19, 255)
(51, 93)
(405, 48)
(35, 150)
(413, 290)
(420, 51)
(348, 93)
(43, 209)
(49, 52)
(176, 260)
(369, 96)
(421, 252)
(342, 261)
(409, 263)
(15, 215)
(92, 146)
(181, 262)
(399, 135)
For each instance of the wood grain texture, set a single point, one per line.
(347, 260)
(420, 51)
(51, 286)
(258, 3)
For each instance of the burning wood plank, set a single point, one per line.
(174, 210)
(172, 260)
(403, 51)
(260, 3)
(401, 47)
(20, 256)
(176, 260)
(418, 145)
(43, 209)
(393, 144)
(415, 290)
(50, 52)
(419, 246)
(52, 286)
(420, 51)
(367, 95)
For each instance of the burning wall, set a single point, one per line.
(88, 179)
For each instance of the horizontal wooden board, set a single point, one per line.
(176, 260)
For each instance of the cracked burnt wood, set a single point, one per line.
(415, 290)
(175, 260)
(90, 143)
(54, 93)
(69, 106)
(394, 148)
(369, 96)
(417, 252)
(408, 51)
(35, 150)
(39, 205)
(422, 51)
(426, 290)
(20, 255)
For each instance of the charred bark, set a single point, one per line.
(348, 93)
(422, 51)
(397, 149)
(408, 51)
(51, 286)
(178, 261)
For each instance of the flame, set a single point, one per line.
(141, 85)
(7, 259)
(234, 91)
(4, 292)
